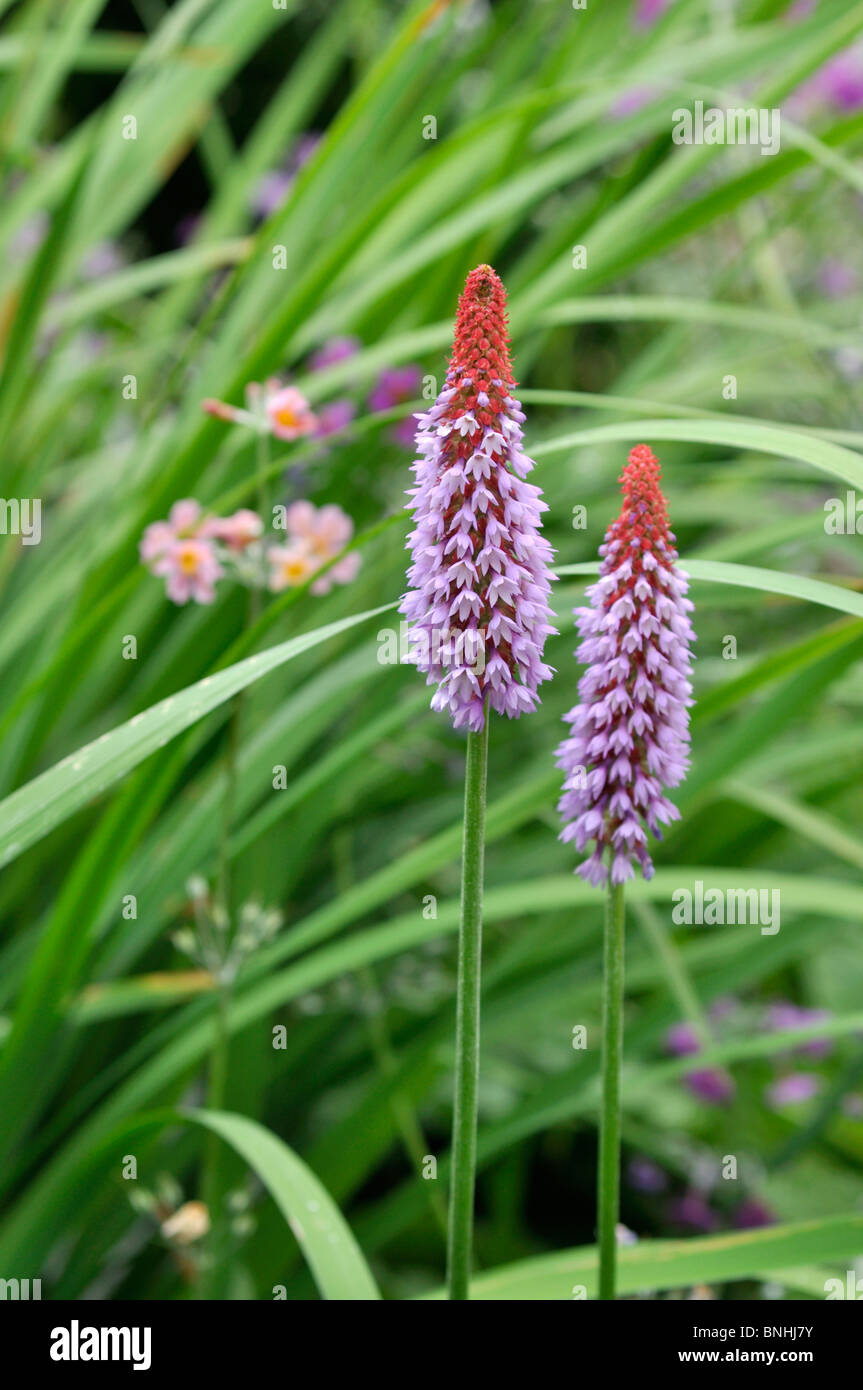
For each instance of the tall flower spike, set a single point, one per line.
(477, 607)
(629, 739)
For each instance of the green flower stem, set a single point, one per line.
(609, 1125)
(467, 1019)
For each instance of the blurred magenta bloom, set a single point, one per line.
(393, 386)
(693, 1212)
(785, 1015)
(838, 84)
(647, 12)
(273, 188)
(336, 350)
(794, 1089)
(711, 1085)
(643, 1175)
(837, 279)
(334, 417)
(629, 102)
(752, 1214)
(681, 1040)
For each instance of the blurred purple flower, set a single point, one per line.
(187, 228)
(837, 279)
(403, 433)
(29, 236)
(647, 12)
(752, 1214)
(104, 258)
(271, 190)
(800, 1086)
(629, 102)
(693, 1212)
(723, 1006)
(334, 417)
(681, 1040)
(710, 1084)
(839, 83)
(784, 1015)
(336, 350)
(393, 386)
(646, 1176)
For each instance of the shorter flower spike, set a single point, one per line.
(629, 738)
(477, 608)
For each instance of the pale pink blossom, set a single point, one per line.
(190, 568)
(270, 409)
(235, 531)
(183, 520)
(342, 573)
(317, 535)
(290, 565)
(289, 414)
(326, 530)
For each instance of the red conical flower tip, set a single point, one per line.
(644, 515)
(481, 346)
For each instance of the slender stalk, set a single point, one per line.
(608, 1196)
(227, 894)
(467, 1019)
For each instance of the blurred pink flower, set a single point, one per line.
(316, 536)
(220, 410)
(183, 520)
(324, 529)
(290, 565)
(236, 531)
(190, 568)
(289, 414)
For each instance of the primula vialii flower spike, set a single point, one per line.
(477, 608)
(629, 739)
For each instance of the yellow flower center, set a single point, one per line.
(294, 570)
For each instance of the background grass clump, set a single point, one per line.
(318, 172)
